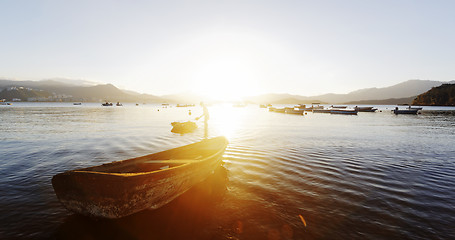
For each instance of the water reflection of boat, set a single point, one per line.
(122, 188)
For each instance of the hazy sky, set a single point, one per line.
(227, 48)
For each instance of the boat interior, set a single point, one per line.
(162, 160)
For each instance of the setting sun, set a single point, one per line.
(225, 79)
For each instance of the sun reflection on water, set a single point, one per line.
(228, 120)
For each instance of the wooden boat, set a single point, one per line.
(118, 189)
(183, 127)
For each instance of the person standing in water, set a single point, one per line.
(206, 116)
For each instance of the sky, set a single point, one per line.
(228, 49)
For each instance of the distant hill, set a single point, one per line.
(402, 90)
(387, 95)
(443, 95)
(70, 92)
(22, 93)
(80, 90)
(390, 101)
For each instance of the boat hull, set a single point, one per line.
(406, 111)
(343, 111)
(116, 195)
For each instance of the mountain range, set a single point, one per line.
(403, 92)
(75, 90)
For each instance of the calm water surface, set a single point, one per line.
(318, 176)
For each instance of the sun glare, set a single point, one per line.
(228, 68)
(225, 80)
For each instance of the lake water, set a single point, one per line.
(318, 176)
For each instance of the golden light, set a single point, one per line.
(227, 120)
(227, 79)
(226, 66)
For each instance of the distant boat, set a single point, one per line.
(343, 111)
(365, 109)
(185, 105)
(278, 110)
(335, 106)
(3, 102)
(106, 104)
(118, 104)
(119, 189)
(418, 108)
(77, 103)
(239, 105)
(323, 110)
(405, 111)
(293, 111)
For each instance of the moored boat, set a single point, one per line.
(3, 102)
(365, 109)
(405, 111)
(345, 111)
(183, 127)
(122, 188)
(106, 104)
(321, 110)
(279, 110)
(293, 111)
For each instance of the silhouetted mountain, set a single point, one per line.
(388, 95)
(22, 93)
(390, 101)
(443, 95)
(402, 90)
(105, 92)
